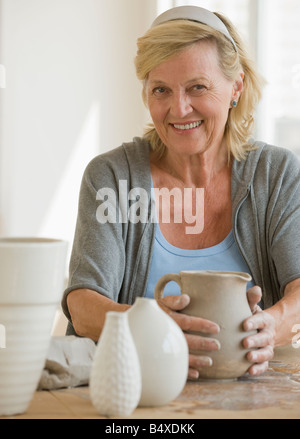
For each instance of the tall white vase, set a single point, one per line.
(32, 272)
(162, 351)
(115, 380)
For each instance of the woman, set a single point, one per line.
(201, 90)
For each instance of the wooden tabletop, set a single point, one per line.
(275, 394)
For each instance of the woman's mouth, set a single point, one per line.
(187, 126)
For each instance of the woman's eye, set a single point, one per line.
(159, 91)
(197, 89)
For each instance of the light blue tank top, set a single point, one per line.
(169, 259)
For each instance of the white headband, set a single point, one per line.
(195, 13)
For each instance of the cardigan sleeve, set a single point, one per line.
(98, 254)
(283, 217)
(266, 208)
(111, 254)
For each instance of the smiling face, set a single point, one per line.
(189, 99)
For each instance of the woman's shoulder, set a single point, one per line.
(138, 147)
(276, 158)
(263, 155)
(265, 161)
(273, 152)
(130, 158)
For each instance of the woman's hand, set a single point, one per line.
(171, 305)
(263, 341)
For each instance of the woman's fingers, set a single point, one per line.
(260, 359)
(261, 342)
(197, 362)
(264, 323)
(196, 324)
(261, 355)
(173, 304)
(254, 296)
(257, 369)
(198, 343)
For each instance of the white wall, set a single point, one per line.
(71, 93)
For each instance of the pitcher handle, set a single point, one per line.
(162, 282)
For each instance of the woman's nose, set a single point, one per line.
(180, 105)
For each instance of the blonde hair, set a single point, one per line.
(164, 41)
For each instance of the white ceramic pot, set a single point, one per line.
(115, 380)
(162, 351)
(32, 272)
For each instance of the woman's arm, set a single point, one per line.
(88, 309)
(286, 313)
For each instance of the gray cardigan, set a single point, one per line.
(114, 258)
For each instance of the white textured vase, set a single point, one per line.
(32, 272)
(115, 380)
(28, 331)
(162, 350)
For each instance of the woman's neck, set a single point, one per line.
(197, 170)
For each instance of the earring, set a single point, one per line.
(234, 103)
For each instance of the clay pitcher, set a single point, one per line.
(221, 297)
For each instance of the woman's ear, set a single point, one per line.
(238, 87)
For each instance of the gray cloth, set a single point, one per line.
(114, 259)
(68, 363)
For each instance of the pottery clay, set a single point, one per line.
(220, 297)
